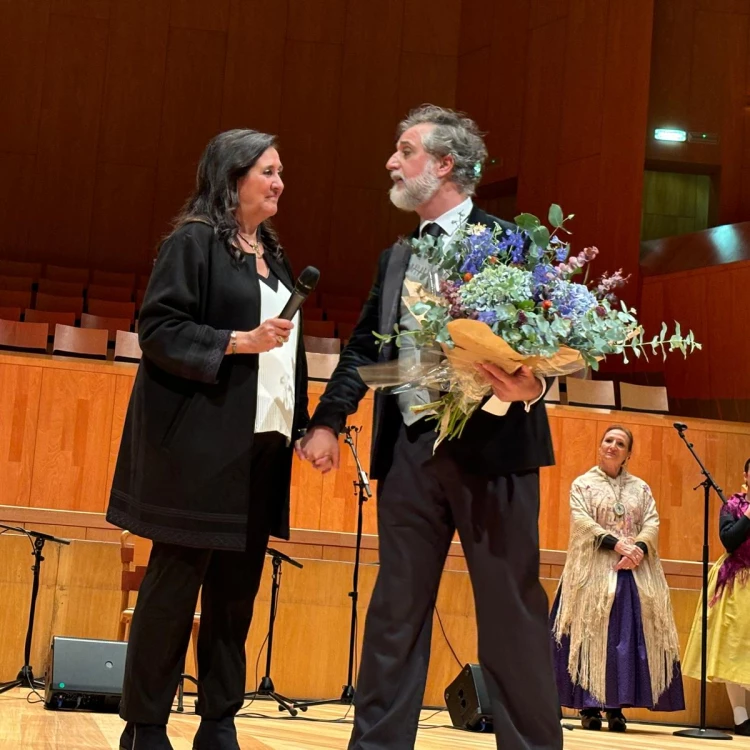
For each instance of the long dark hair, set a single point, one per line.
(225, 160)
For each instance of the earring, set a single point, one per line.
(744, 487)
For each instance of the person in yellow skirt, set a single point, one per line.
(727, 657)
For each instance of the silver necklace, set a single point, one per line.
(618, 507)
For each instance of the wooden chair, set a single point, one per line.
(322, 345)
(111, 325)
(10, 313)
(345, 331)
(312, 313)
(127, 348)
(114, 293)
(61, 288)
(644, 398)
(342, 316)
(131, 579)
(340, 302)
(25, 336)
(16, 283)
(325, 329)
(590, 392)
(53, 303)
(50, 317)
(82, 342)
(63, 273)
(111, 278)
(10, 298)
(553, 393)
(321, 366)
(20, 268)
(111, 309)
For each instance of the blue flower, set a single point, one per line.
(478, 247)
(514, 243)
(542, 274)
(487, 316)
(572, 300)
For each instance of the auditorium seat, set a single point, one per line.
(64, 273)
(320, 328)
(345, 331)
(127, 347)
(114, 293)
(85, 342)
(322, 345)
(26, 336)
(340, 302)
(553, 393)
(54, 303)
(51, 317)
(111, 278)
(342, 316)
(15, 298)
(312, 313)
(10, 313)
(61, 288)
(139, 295)
(143, 280)
(16, 283)
(590, 392)
(111, 309)
(20, 268)
(111, 325)
(644, 398)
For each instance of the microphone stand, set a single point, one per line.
(266, 687)
(25, 676)
(364, 493)
(708, 483)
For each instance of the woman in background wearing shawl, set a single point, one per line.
(615, 639)
(729, 611)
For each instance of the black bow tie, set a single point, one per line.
(432, 230)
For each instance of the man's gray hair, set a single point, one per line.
(455, 134)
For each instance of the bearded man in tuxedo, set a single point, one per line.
(484, 484)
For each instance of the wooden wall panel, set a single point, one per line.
(123, 388)
(426, 79)
(121, 217)
(68, 134)
(20, 389)
(134, 87)
(257, 30)
(196, 14)
(317, 21)
(23, 32)
(83, 8)
(73, 445)
(17, 179)
(371, 64)
(432, 27)
(544, 12)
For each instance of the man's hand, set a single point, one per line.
(320, 446)
(522, 385)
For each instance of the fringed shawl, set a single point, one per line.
(589, 580)
(737, 564)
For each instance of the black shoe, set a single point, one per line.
(743, 730)
(216, 735)
(617, 722)
(591, 718)
(145, 737)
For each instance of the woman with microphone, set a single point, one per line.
(205, 460)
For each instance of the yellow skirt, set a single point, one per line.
(728, 634)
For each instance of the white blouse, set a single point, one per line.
(276, 368)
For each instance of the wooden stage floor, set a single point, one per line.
(29, 726)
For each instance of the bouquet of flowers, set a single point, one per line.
(511, 298)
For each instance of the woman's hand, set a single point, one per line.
(270, 334)
(632, 555)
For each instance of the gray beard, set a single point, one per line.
(415, 191)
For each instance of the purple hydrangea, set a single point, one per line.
(560, 248)
(572, 300)
(543, 274)
(487, 316)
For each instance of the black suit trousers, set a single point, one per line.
(423, 499)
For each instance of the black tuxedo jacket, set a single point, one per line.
(515, 442)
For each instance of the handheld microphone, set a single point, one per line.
(680, 426)
(306, 282)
